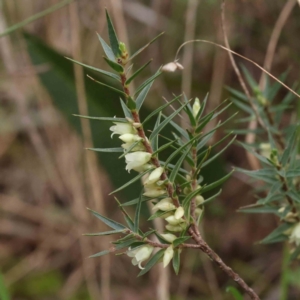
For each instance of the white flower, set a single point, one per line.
(179, 213)
(136, 160)
(164, 206)
(173, 221)
(154, 176)
(198, 212)
(169, 237)
(172, 67)
(196, 107)
(129, 137)
(140, 254)
(121, 128)
(153, 190)
(138, 147)
(168, 255)
(295, 235)
(176, 228)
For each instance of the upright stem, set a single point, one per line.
(193, 230)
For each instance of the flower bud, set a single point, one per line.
(153, 190)
(173, 221)
(168, 255)
(199, 200)
(198, 212)
(176, 228)
(129, 138)
(295, 235)
(196, 107)
(164, 206)
(154, 176)
(169, 237)
(265, 149)
(179, 213)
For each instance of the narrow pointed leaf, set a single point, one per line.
(202, 108)
(137, 72)
(108, 86)
(176, 261)
(180, 241)
(121, 120)
(178, 128)
(100, 253)
(167, 120)
(125, 214)
(114, 43)
(129, 148)
(237, 94)
(235, 293)
(190, 196)
(163, 147)
(110, 223)
(136, 178)
(135, 201)
(159, 109)
(115, 66)
(153, 260)
(212, 197)
(278, 234)
(216, 183)
(290, 146)
(109, 74)
(147, 82)
(158, 214)
(143, 48)
(126, 110)
(109, 53)
(218, 154)
(178, 164)
(259, 210)
(104, 233)
(112, 150)
(142, 96)
(137, 215)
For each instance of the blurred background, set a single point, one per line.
(47, 179)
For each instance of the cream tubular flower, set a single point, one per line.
(295, 235)
(164, 206)
(138, 147)
(176, 228)
(173, 221)
(196, 107)
(168, 255)
(140, 254)
(154, 176)
(122, 128)
(153, 190)
(136, 160)
(169, 237)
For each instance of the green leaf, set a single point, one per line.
(216, 183)
(259, 210)
(137, 214)
(278, 234)
(249, 78)
(143, 48)
(293, 173)
(190, 196)
(108, 86)
(4, 295)
(121, 120)
(267, 174)
(204, 122)
(189, 111)
(136, 73)
(153, 260)
(294, 254)
(104, 233)
(159, 109)
(154, 139)
(125, 214)
(136, 178)
(100, 254)
(237, 94)
(178, 128)
(202, 108)
(167, 120)
(176, 261)
(110, 223)
(110, 55)
(180, 149)
(111, 150)
(128, 243)
(235, 293)
(115, 66)
(114, 43)
(218, 154)
(135, 201)
(109, 74)
(212, 197)
(174, 172)
(158, 214)
(163, 147)
(290, 146)
(180, 241)
(147, 82)
(126, 110)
